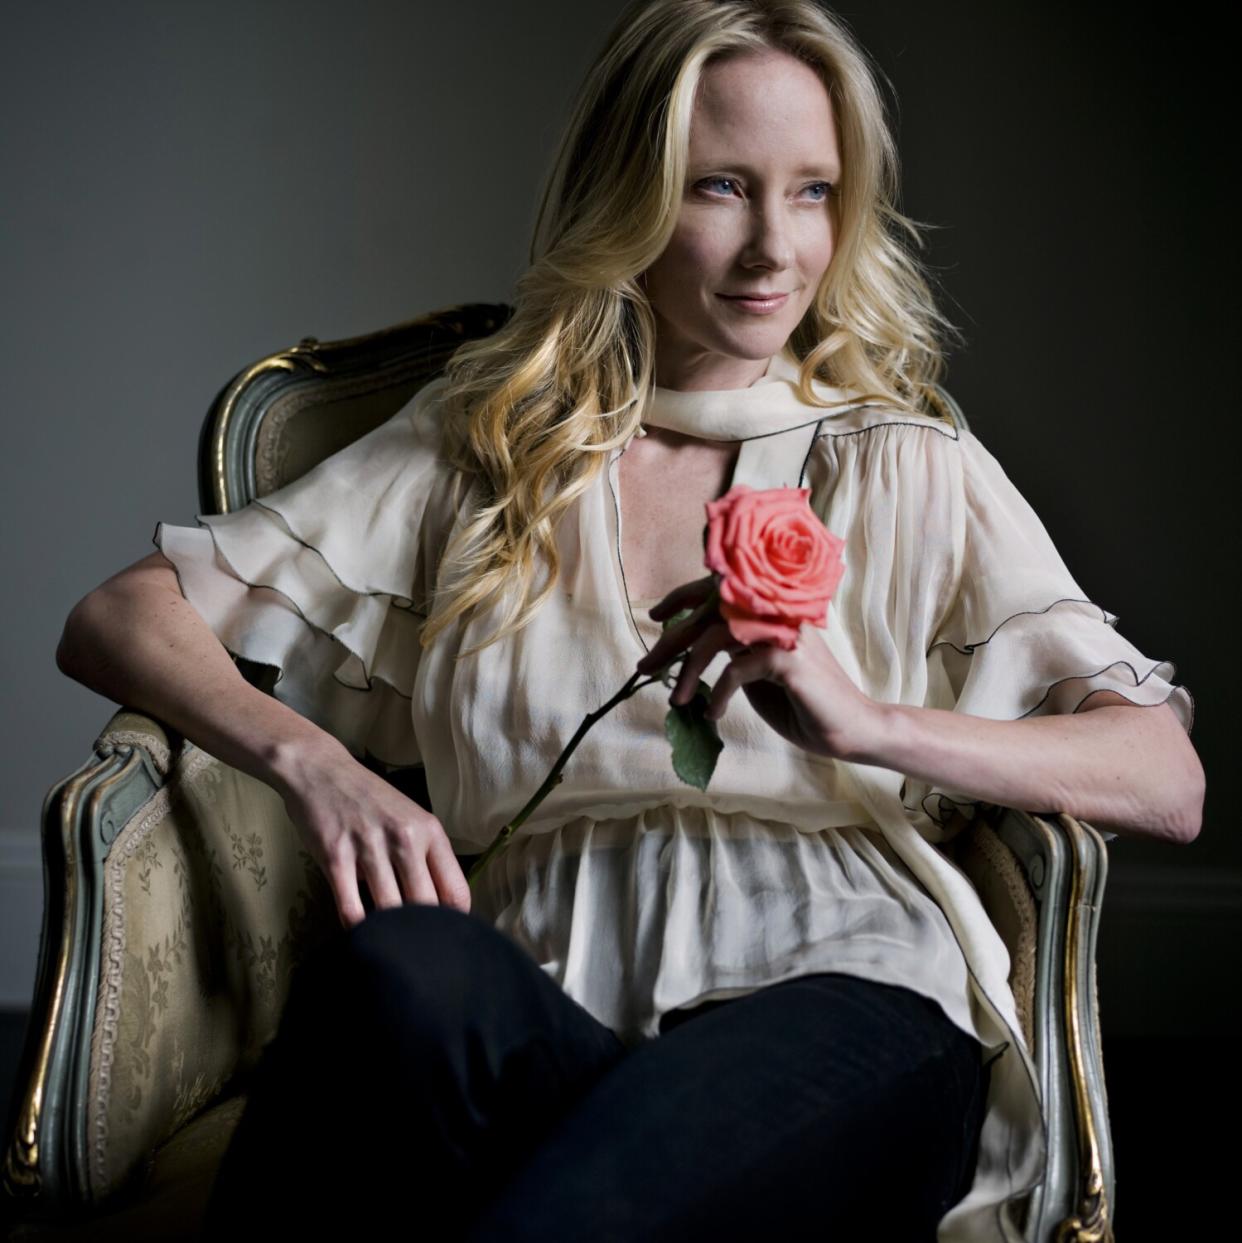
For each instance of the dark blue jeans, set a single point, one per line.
(429, 1079)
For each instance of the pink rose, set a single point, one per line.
(778, 564)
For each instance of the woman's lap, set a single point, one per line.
(427, 1067)
(822, 1102)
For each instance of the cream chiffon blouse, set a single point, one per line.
(637, 893)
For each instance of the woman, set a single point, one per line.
(774, 1004)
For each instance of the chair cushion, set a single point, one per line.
(1006, 895)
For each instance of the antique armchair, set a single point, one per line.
(178, 902)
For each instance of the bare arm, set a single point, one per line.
(1129, 769)
(1122, 767)
(136, 640)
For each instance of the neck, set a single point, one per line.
(710, 375)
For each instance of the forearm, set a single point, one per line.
(145, 647)
(1118, 768)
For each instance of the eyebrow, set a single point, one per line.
(803, 170)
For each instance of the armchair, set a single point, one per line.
(178, 902)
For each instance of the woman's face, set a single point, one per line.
(757, 216)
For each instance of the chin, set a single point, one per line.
(762, 342)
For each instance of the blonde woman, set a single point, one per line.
(772, 1006)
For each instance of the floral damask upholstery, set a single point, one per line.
(209, 901)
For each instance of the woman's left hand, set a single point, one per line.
(803, 694)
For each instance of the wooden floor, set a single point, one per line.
(1162, 1095)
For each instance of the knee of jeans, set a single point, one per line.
(419, 952)
(399, 974)
(414, 934)
(411, 921)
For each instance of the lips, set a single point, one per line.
(756, 303)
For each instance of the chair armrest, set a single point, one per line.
(1049, 920)
(177, 903)
(128, 728)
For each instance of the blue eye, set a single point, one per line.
(827, 187)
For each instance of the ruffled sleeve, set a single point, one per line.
(1019, 636)
(328, 579)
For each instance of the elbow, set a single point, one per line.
(1192, 819)
(73, 640)
(1187, 818)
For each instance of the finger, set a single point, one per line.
(454, 889)
(665, 649)
(661, 653)
(701, 654)
(688, 594)
(342, 872)
(671, 642)
(746, 666)
(416, 885)
(379, 877)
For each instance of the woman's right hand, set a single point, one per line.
(355, 824)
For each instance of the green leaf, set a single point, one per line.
(695, 742)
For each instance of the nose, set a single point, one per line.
(770, 240)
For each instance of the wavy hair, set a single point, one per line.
(531, 411)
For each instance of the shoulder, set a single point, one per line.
(426, 410)
(893, 466)
(401, 456)
(418, 425)
(373, 509)
(844, 419)
(877, 452)
(868, 432)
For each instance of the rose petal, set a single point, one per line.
(778, 564)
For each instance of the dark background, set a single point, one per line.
(186, 188)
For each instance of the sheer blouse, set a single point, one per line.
(637, 893)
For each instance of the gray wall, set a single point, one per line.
(189, 187)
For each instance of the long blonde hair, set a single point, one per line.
(531, 412)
